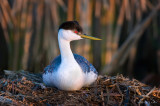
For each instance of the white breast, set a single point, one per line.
(69, 76)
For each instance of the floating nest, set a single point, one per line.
(24, 88)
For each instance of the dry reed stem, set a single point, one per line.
(122, 53)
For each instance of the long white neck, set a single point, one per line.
(66, 53)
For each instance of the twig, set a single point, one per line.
(120, 93)
(127, 97)
(146, 96)
(107, 95)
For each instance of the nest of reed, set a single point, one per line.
(24, 88)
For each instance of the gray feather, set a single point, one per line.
(84, 64)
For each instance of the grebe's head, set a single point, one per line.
(71, 30)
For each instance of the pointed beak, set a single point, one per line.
(89, 37)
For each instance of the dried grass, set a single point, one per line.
(23, 88)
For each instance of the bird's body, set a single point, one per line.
(70, 75)
(69, 71)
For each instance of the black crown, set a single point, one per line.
(71, 25)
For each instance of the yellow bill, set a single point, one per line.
(89, 37)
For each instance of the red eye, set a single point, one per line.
(75, 31)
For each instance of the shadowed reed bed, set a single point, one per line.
(23, 88)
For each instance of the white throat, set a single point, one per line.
(65, 50)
